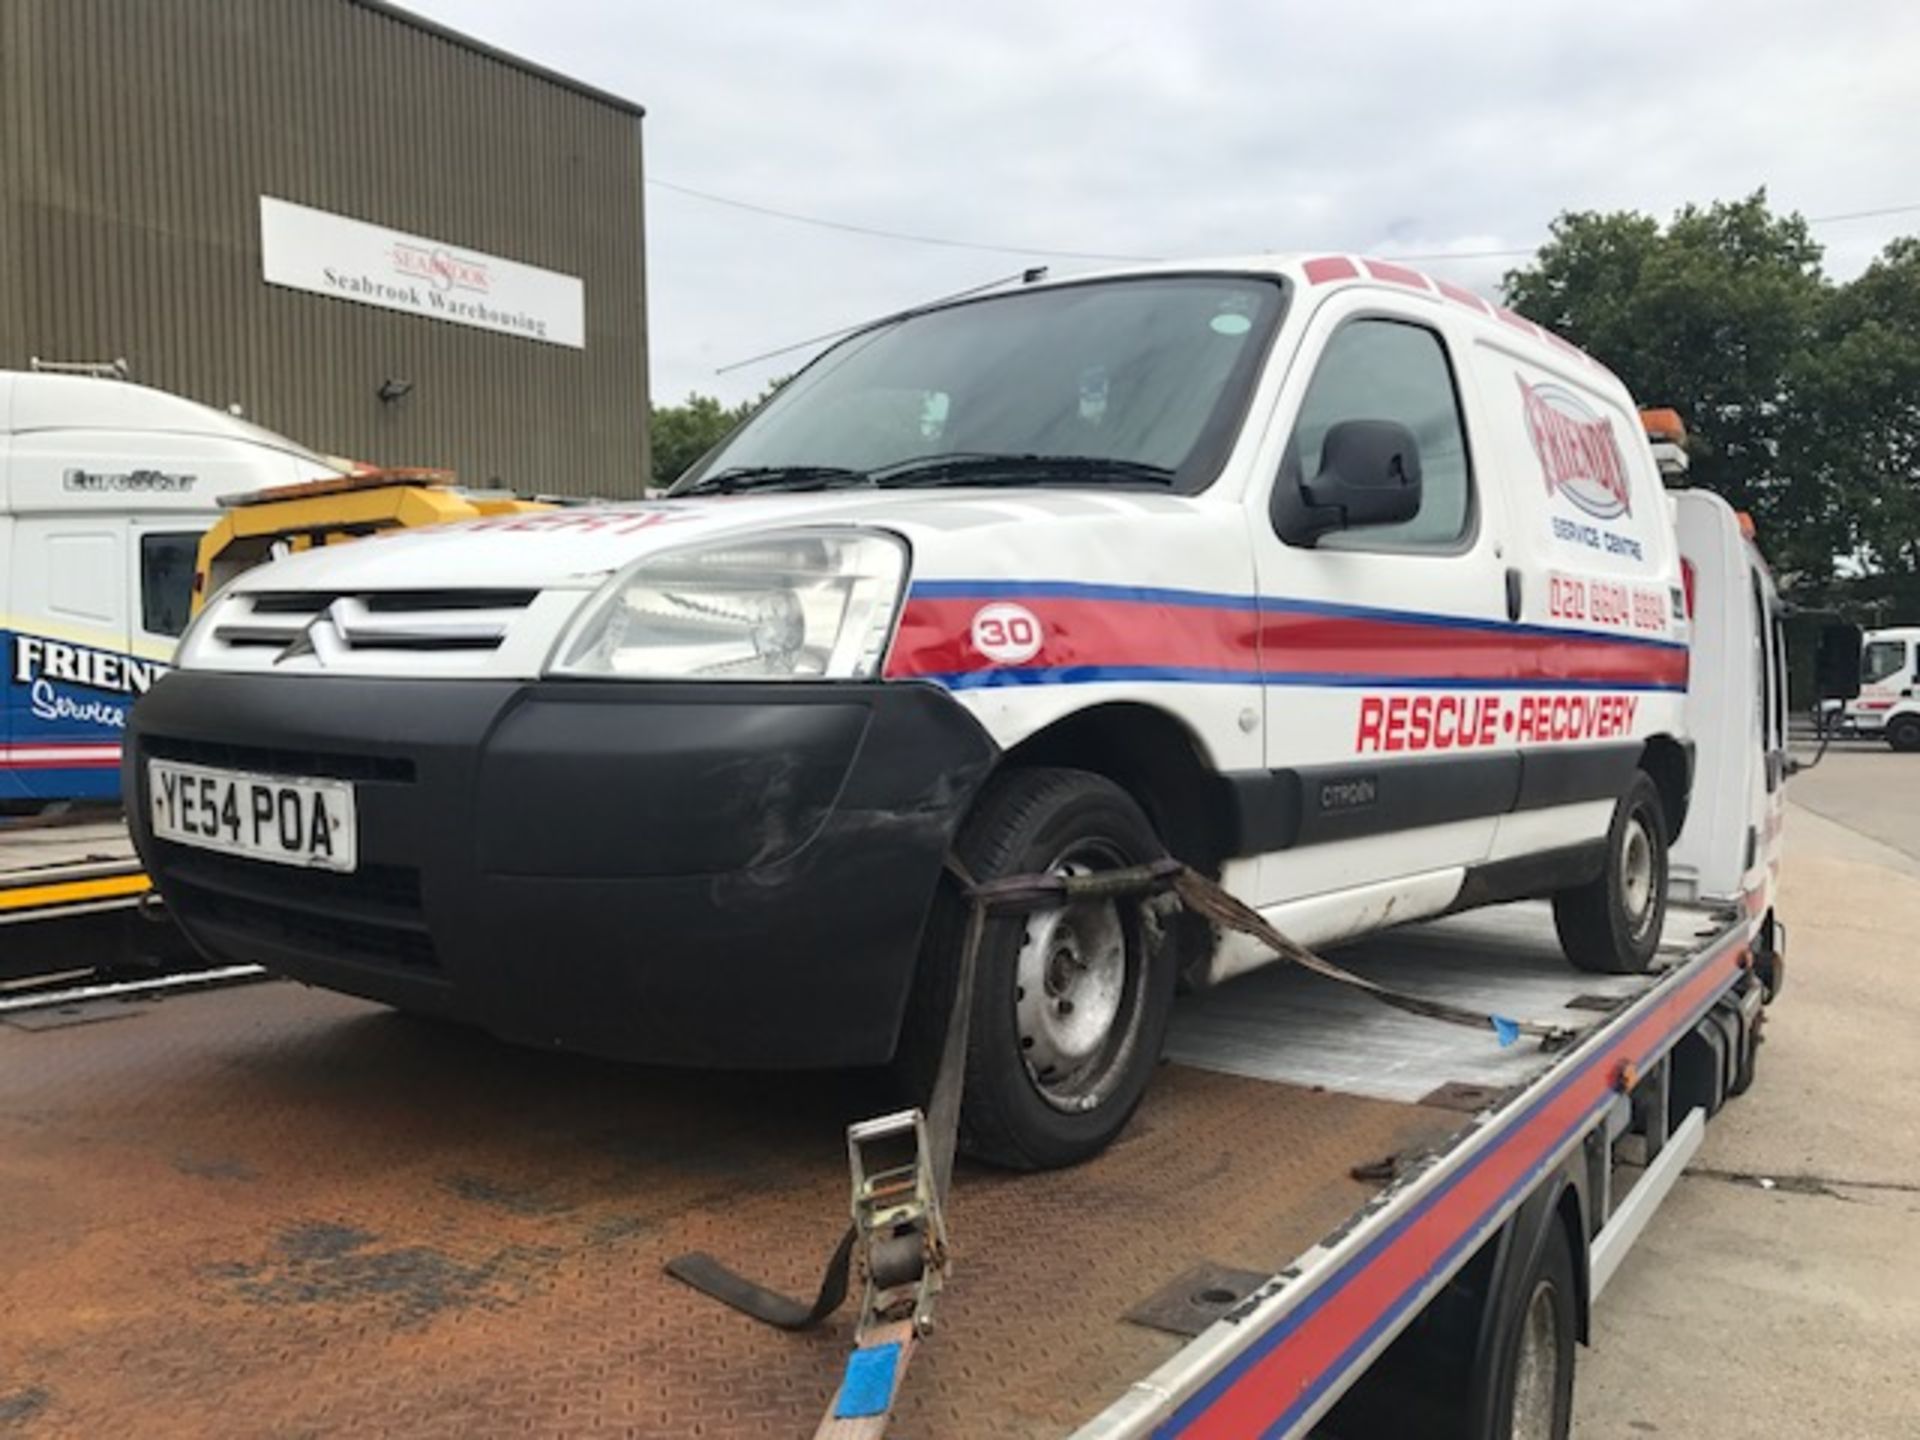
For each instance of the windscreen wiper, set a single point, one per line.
(775, 477)
(985, 469)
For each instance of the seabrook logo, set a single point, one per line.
(442, 269)
(1578, 454)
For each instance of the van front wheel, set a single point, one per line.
(1069, 1004)
(1611, 925)
(1904, 733)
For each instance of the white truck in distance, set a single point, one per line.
(1888, 705)
(1328, 578)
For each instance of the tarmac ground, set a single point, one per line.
(1777, 1292)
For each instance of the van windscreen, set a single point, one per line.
(1147, 375)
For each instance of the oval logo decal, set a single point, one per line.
(1578, 454)
(1007, 634)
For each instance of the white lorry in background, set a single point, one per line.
(105, 490)
(1888, 706)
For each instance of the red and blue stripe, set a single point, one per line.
(1096, 633)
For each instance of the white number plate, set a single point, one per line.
(264, 817)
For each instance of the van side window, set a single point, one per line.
(166, 582)
(1882, 660)
(1391, 370)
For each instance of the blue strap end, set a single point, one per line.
(867, 1387)
(1505, 1030)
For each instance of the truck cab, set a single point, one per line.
(1888, 705)
(1730, 849)
(105, 490)
(1338, 583)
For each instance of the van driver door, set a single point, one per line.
(1380, 645)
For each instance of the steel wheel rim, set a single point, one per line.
(1077, 990)
(1636, 874)
(1536, 1369)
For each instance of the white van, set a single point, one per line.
(1329, 578)
(1889, 701)
(105, 490)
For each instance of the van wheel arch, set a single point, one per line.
(1158, 759)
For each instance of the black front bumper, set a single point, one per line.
(688, 874)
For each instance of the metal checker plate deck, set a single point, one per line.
(271, 1211)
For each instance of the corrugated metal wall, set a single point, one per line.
(136, 139)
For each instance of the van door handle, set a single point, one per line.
(1513, 593)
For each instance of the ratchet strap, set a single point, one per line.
(1210, 901)
(898, 1229)
(1207, 899)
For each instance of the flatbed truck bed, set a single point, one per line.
(274, 1210)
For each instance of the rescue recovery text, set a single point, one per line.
(1465, 722)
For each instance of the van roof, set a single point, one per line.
(1311, 271)
(30, 401)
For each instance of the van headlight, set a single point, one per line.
(791, 605)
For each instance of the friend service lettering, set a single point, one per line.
(1412, 723)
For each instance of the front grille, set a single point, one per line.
(331, 624)
(373, 916)
(265, 760)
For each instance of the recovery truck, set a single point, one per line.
(264, 1209)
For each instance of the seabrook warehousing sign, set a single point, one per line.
(327, 254)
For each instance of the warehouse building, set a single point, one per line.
(377, 236)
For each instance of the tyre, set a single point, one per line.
(1611, 925)
(1069, 1005)
(1903, 734)
(1532, 1364)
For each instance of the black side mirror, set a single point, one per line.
(1836, 665)
(1369, 475)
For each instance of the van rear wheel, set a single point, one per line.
(1069, 1004)
(1611, 925)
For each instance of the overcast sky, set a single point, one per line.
(1198, 129)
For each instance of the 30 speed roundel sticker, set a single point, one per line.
(1007, 634)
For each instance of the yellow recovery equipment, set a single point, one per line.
(288, 518)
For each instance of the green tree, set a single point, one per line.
(681, 434)
(1861, 408)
